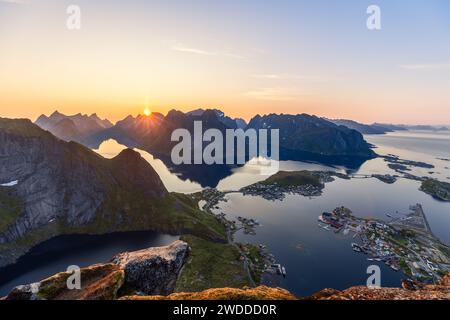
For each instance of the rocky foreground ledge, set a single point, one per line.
(415, 292)
(152, 271)
(151, 274)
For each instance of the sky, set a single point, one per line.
(244, 57)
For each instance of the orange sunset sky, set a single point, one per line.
(243, 57)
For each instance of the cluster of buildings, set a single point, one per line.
(212, 197)
(275, 191)
(411, 250)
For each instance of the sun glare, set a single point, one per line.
(147, 112)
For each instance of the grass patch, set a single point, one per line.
(211, 265)
(257, 264)
(10, 207)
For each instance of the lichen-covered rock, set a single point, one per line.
(410, 291)
(153, 271)
(258, 293)
(98, 282)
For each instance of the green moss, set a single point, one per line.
(10, 207)
(98, 282)
(53, 286)
(211, 265)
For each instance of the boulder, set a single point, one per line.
(153, 271)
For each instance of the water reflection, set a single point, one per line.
(193, 178)
(111, 148)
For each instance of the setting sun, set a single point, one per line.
(147, 112)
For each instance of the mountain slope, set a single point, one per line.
(64, 187)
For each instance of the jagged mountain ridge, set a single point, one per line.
(309, 135)
(74, 127)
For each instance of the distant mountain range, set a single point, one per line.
(301, 136)
(363, 128)
(426, 128)
(63, 187)
(382, 128)
(74, 127)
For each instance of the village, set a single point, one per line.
(273, 192)
(404, 244)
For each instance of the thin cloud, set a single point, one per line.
(436, 66)
(185, 49)
(193, 50)
(286, 76)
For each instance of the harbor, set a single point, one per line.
(405, 243)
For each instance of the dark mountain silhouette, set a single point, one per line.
(131, 131)
(305, 137)
(302, 137)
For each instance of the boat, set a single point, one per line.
(395, 268)
(325, 227)
(283, 271)
(356, 247)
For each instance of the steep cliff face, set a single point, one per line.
(63, 187)
(59, 180)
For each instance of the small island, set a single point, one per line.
(305, 183)
(438, 189)
(403, 166)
